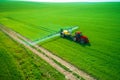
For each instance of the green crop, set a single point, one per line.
(98, 21)
(18, 63)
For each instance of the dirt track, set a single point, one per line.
(17, 37)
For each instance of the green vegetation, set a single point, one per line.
(28, 21)
(18, 63)
(8, 68)
(99, 21)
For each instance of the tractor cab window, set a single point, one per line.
(78, 34)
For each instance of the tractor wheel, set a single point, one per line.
(82, 41)
(74, 39)
(62, 35)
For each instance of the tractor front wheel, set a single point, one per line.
(74, 39)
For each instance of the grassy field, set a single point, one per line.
(9, 70)
(28, 22)
(99, 21)
(18, 63)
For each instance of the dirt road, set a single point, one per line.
(69, 75)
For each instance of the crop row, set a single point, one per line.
(17, 62)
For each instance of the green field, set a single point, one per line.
(99, 21)
(18, 63)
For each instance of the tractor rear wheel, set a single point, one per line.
(82, 41)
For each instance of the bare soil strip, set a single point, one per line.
(17, 37)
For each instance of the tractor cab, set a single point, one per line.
(78, 34)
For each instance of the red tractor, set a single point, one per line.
(78, 37)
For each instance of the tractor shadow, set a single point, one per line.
(85, 44)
